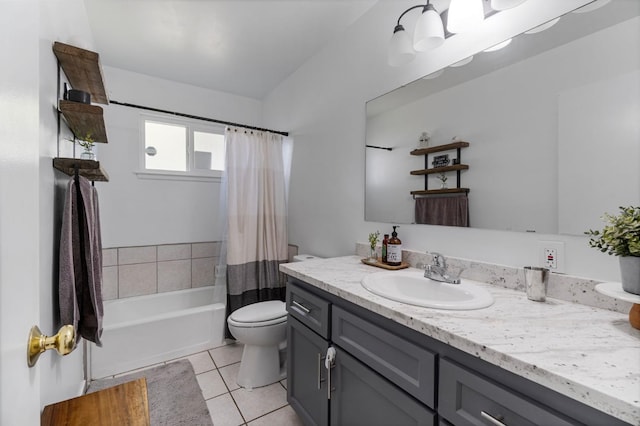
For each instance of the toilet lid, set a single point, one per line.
(259, 312)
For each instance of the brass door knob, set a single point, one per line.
(64, 342)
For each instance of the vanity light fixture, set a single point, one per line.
(464, 15)
(428, 34)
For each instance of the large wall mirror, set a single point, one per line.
(552, 123)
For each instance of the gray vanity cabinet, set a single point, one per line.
(385, 374)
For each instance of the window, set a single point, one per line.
(181, 149)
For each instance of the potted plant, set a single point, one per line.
(621, 237)
(373, 241)
(443, 180)
(87, 143)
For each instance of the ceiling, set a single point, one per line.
(243, 47)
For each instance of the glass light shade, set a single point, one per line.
(543, 27)
(465, 61)
(429, 31)
(400, 49)
(464, 15)
(498, 46)
(505, 4)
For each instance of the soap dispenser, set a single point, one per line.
(394, 249)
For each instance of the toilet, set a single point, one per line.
(262, 328)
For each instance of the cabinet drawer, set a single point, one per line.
(309, 309)
(408, 366)
(466, 398)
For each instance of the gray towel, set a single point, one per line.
(80, 275)
(446, 210)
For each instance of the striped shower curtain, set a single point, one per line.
(256, 178)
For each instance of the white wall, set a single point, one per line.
(148, 212)
(322, 104)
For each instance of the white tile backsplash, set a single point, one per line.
(174, 275)
(137, 280)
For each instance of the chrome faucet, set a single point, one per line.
(437, 271)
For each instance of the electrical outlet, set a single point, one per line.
(550, 258)
(552, 255)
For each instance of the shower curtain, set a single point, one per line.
(255, 186)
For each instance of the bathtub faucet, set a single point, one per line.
(437, 271)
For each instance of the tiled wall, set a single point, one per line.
(135, 271)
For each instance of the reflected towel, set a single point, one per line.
(447, 210)
(80, 274)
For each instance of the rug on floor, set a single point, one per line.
(173, 392)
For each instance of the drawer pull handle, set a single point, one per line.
(301, 307)
(493, 420)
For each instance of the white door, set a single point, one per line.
(19, 213)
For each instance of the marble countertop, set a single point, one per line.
(589, 354)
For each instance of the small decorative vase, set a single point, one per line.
(373, 258)
(88, 155)
(443, 185)
(630, 274)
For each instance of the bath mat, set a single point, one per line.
(174, 395)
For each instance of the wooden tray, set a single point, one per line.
(379, 264)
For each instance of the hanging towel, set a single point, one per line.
(80, 275)
(449, 210)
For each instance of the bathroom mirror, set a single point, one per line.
(551, 121)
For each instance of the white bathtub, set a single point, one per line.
(144, 330)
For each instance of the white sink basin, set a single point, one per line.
(410, 286)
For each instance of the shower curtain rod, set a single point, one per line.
(180, 114)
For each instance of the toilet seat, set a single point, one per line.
(261, 314)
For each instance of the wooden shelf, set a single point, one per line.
(441, 191)
(82, 68)
(440, 169)
(88, 168)
(84, 120)
(439, 148)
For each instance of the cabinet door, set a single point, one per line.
(306, 374)
(361, 397)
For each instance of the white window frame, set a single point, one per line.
(191, 125)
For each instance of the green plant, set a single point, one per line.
(442, 177)
(373, 239)
(622, 236)
(86, 141)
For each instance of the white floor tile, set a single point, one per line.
(228, 354)
(284, 416)
(229, 374)
(201, 362)
(211, 384)
(224, 411)
(259, 401)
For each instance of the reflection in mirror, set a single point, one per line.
(551, 121)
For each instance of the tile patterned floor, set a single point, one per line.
(231, 405)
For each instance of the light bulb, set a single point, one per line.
(464, 15)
